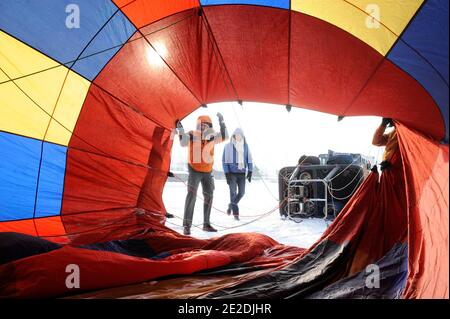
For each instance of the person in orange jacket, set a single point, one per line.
(201, 144)
(388, 140)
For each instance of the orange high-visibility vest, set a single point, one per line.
(201, 152)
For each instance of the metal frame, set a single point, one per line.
(324, 181)
(297, 200)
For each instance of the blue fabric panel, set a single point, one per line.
(270, 3)
(104, 46)
(393, 271)
(51, 180)
(428, 34)
(19, 168)
(42, 25)
(19, 164)
(417, 67)
(423, 52)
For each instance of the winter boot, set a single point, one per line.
(209, 228)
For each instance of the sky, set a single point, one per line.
(277, 138)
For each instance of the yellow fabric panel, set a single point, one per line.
(68, 109)
(354, 16)
(18, 113)
(394, 14)
(18, 59)
(3, 77)
(43, 87)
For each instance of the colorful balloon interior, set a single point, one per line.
(87, 108)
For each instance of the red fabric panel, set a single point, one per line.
(253, 41)
(243, 246)
(190, 51)
(143, 12)
(386, 223)
(138, 77)
(173, 241)
(279, 256)
(98, 269)
(107, 178)
(101, 226)
(347, 225)
(328, 65)
(150, 197)
(100, 186)
(101, 269)
(114, 224)
(108, 127)
(25, 226)
(51, 228)
(426, 171)
(372, 222)
(393, 93)
(275, 256)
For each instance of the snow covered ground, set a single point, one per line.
(258, 210)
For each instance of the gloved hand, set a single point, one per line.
(386, 122)
(220, 117)
(249, 177)
(228, 177)
(385, 165)
(179, 127)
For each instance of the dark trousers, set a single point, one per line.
(237, 191)
(194, 179)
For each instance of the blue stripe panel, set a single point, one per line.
(19, 162)
(270, 3)
(104, 46)
(411, 62)
(393, 270)
(51, 181)
(42, 25)
(425, 54)
(19, 166)
(428, 34)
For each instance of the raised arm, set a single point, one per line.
(379, 138)
(223, 134)
(184, 137)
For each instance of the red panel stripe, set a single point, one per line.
(426, 171)
(328, 66)
(48, 226)
(143, 12)
(190, 51)
(147, 84)
(108, 127)
(393, 93)
(254, 45)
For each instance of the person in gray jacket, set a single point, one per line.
(237, 166)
